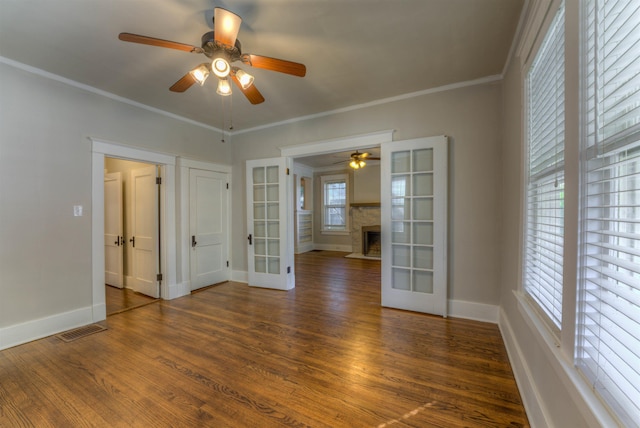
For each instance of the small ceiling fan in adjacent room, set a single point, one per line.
(357, 160)
(223, 48)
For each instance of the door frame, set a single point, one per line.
(184, 165)
(101, 149)
(355, 142)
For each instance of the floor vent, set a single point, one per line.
(78, 333)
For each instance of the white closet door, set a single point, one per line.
(144, 230)
(208, 227)
(113, 230)
(414, 225)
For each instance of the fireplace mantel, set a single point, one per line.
(365, 204)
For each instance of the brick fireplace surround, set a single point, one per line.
(363, 215)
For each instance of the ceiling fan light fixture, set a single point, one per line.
(224, 88)
(200, 73)
(245, 79)
(220, 67)
(357, 163)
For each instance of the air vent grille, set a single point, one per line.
(78, 333)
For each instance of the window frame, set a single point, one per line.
(328, 179)
(541, 280)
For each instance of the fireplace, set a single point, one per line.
(371, 242)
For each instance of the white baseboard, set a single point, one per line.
(240, 276)
(37, 329)
(473, 311)
(178, 290)
(332, 247)
(522, 374)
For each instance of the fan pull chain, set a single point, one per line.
(223, 125)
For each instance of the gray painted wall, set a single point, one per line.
(471, 117)
(45, 169)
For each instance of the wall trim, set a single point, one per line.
(178, 290)
(593, 411)
(240, 276)
(82, 86)
(473, 311)
(524, 379)
(18, 334)
(453, 86)
(358, 141)
(333, 247)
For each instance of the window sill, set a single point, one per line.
(576, 385)
(335, 232)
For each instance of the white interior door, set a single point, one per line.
(144, 230)
(414, 225)
(208, 223)
(269, 215)
(113, 231)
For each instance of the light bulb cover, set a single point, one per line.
(200, 73)
(224, 88)
(245, 79)
(220, 67)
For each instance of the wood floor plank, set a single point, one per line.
(324, 354)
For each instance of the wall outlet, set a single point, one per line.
(77, 210)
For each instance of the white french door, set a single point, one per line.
(113, 230)
(208, 225)
(414, 225)
(144, 231)
(269, 212)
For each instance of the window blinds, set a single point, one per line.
(608, 345)
(544, 239)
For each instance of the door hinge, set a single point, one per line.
(227, 263)
(158, 180)
(159, 277)
(287, 171)
(227, 186)
(288, 269)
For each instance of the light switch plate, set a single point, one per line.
(77, 210)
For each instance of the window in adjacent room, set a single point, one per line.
(335, 196)
(544, 234)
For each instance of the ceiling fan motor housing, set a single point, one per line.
(214, 49)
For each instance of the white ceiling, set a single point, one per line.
(356, 51)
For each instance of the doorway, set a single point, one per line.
(167, 225)
(132, 253)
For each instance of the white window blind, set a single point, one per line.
(608, 345)
(544, 240)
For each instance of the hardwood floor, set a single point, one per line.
(123, 299)
(322, 355)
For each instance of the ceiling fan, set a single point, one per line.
(357, 160)
(223, 48)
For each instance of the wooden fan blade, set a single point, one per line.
(253, 95)
(275, 64)
(136, 38)
(226, 26)
(183, 84)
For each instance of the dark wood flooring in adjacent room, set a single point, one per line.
(322, 355)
